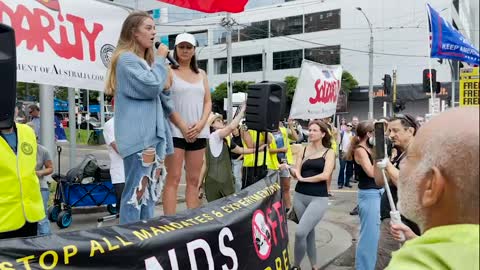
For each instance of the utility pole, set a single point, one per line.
(227, 23)
(264, 65)
(454, 78)
(394, 79)
(87, 116)
(370, 78)
(370, 67)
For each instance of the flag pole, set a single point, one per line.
(430, 43)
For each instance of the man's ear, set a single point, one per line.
(411, 130)
(433, 188)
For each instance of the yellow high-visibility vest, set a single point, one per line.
(20, 197)
(249, 159)
(272, 159)
(286, 141)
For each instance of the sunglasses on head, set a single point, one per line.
(410, 121)
(349, 126)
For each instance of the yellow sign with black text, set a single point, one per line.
(469, 87)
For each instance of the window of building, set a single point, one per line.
(245, 63)
(322, 21)
(171, 41)
(287, 26)
(220, 36)
(201, 37)
(254, 30)
(220, 65)
(203, 64)
(287, 59)
(252, 63)
(237, 64)
(328, 55)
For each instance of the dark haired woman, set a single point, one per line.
(312, 170)
(191, 96)
(369, 196)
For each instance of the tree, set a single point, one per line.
(28, 91)
(348, 82)
(241, 86)
(93, 97)
(61, 93)
(291, 82)
(220, 93)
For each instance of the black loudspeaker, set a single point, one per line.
(8, 76)
(265, 105)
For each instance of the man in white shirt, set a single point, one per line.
(117, 172)
(346, 166)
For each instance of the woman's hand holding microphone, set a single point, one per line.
(162, 50)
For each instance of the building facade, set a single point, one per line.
(269, 42)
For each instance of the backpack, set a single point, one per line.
(87, 168)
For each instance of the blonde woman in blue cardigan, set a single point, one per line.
(137, 78)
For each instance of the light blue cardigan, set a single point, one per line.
(142, 107)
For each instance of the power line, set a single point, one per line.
(342, 48)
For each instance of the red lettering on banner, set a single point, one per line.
(326, 91)
(36, 28)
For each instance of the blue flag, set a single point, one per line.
(448, 42)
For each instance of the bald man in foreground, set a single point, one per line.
(438, 189)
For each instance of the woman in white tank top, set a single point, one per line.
(191, 96)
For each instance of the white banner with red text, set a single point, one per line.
(63, 42)
(317, 91)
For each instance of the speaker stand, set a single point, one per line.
(257, 146)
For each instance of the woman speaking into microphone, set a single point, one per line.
(138, 77)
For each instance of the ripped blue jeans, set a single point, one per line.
(143, 187)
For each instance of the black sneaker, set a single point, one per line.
(349, 186)
(354, 212)
(340, 187)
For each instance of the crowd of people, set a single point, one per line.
(163, 126)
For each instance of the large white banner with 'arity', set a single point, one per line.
(63, 42)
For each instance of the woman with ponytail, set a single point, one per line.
(369, 196)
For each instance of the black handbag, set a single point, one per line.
(291, 215)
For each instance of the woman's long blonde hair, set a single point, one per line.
(127, 43)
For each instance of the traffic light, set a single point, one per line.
(82, 99)
(387, 84)
(437, 87)
(427, 75)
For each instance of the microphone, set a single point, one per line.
(169, 57)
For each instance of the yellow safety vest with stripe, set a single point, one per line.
(249, 159)
(272, 159)
(286, 141)
(20, 197)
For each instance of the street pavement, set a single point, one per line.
(336, 234)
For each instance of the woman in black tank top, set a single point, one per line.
(369, 196)
(312, 170)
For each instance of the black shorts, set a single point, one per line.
(181, 143)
